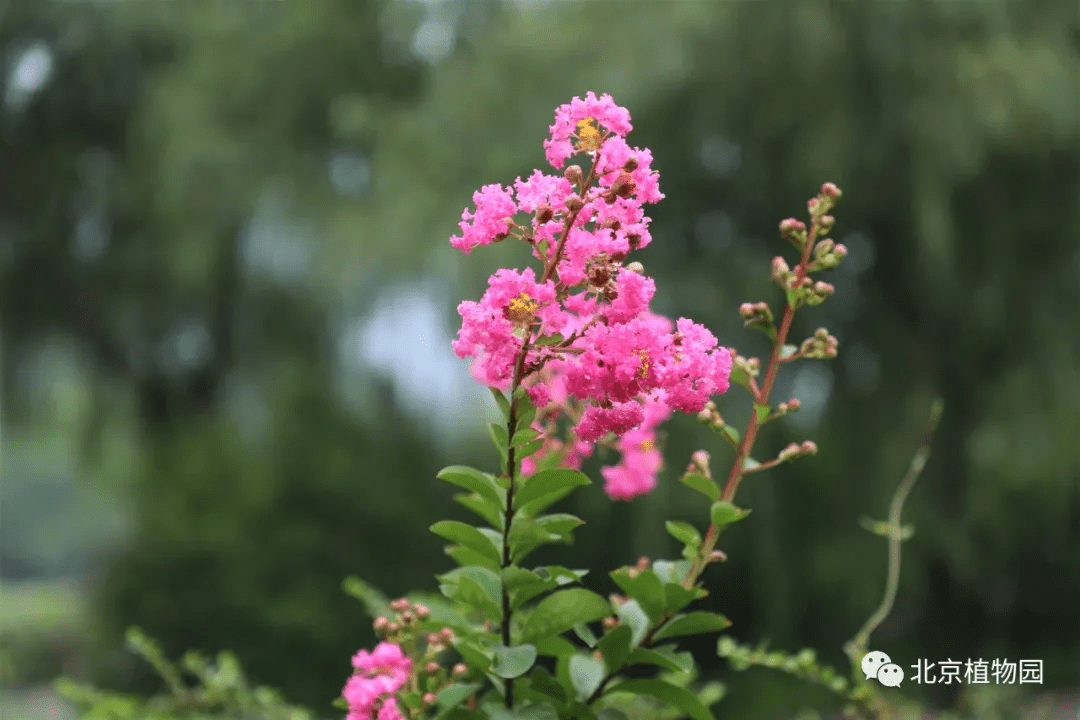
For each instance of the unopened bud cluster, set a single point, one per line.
(828, 254)
(757, 314)
(711, 417)
(821, 346)
(642, 565)
(751, 366)
(699, 463)
(405, 615)
(797, 450)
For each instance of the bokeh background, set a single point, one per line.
(227, 301)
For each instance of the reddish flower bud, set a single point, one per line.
(459, 670)
(573, 174)
(429, 698)
(830, 190)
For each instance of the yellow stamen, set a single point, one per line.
(588, 135)
(643, 355)
(522, 309)
(647, 445)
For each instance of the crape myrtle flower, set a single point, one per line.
(579, 333)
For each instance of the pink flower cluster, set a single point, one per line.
(379, 674)
(580, 333)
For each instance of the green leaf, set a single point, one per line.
(586, 674)
(526, 414)
(542, 682)
(678, 597)
(732, 433)
(724, 513)
(740, 377)
(454, 694)
(521, 437)
(615, 647)
(705, 486)
(787, 351)
(561, 611)
(555, 646)
(585, 634)
(547, 340)
(677, 697)
(474, 654)
(375, 603)
(671, 572)
(526, 534)
(643, 586)
(483, 508)
(465, 556)
(538, 711)
(529, 449)
(498, 436)
(750, 463)
(695, 623)
(685, 533)
(762, 412)
(514, 577)
(512, 662)
(647, 656)
(610, 713)
(475, 595)
(485, 578)
(504, 404)
(560, 525)
(475, 481)
(630, 613)
(555, 484)
(467, 536)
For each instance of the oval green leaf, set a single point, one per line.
(561, 611)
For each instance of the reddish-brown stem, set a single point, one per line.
(761, 397)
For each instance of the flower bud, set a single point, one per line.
(429, 698)
(432, 667)
(423, 612)
(399, 605)
(407, 617)
(790, 226)
(630, 165)
(840, 251)
(793, 404)
(574, 203)
(446, 634)
(610, 623)
(643, 563)
(636, 267)
(393, 628)
(544, 213)
(823, 248)
(830, 190)
(380, 624)
(459, 670)
(623, 186)
(573, 174)
(717, 556)
(812, 204)
(809, 447)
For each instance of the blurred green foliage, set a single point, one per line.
(199, 202)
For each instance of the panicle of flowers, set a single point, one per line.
(579, 332)
(397, 664)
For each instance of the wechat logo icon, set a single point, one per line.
(880, 666)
